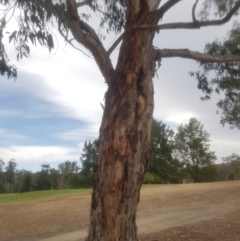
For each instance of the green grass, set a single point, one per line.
(29, 196)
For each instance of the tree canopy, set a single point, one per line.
(233, 165)
(193, 147)
(160, 160)
(223, 77)
(36, 19)
(89, 157)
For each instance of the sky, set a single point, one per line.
(54, 105)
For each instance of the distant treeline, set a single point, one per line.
(68, 175)
(173, 158)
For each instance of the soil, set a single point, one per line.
(189, 212)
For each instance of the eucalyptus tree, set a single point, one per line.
(1, 175)
(88, 159)
(125, 130)
(226, 75)
(66, 170)
(192, 143)
(10, 172)
(54, 176)
(160, 159)
(27, 181)
(233, 164)
(230, 111)
(1, 164)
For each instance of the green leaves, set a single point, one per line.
(233, 166)
(192, 146)
(5, 69)
(160, 160)
(182, 156)
(223, 77)
(218, 7)
(23, 51)
(35, 18)
(22, 37)
(230, 111)
(50, 42)
(32, 37)
(112, 13)
(32, 21)
(89, 157)
(13, 36)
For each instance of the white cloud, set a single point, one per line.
(89, 132)
(71, 84)
(226, 142)
(179, 117)
(224, 148)
(34, 154)
(10, 135)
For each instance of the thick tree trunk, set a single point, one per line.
(124, 140)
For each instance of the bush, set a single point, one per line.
(209, 174)
(152, 178)
(81, 181)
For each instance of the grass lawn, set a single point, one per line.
(29, 196)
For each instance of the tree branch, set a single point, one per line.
(178, 25)
(165, 7)
(188, 54)
(70, 41)
(193, 12)
(86, 2)
(83, 33)
(86, 36)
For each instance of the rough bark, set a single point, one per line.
(124, 137)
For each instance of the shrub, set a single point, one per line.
(152, 178)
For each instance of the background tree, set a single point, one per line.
(223, 77)
(66, 171)
(193, 146)
(160, 159)
(1, 164)
(125, 131)
(89, 159)
(230, 111)
(43, 181)
(10, 174)
(1, 175)
(233, 163)
(210, 173)
(27, 182)
(18, 181)
(54, 176)
(223, 171)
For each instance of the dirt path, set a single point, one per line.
(160, 208)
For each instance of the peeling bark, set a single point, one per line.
(124, 139)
